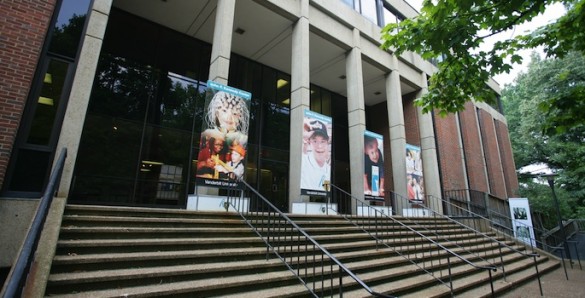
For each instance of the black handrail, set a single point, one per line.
(377, 235)
(508, 230)
(311, 263)
(429, 199)
(19, 273)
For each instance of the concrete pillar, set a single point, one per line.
(70, 136)
(432, 183)
(222, 41)
(219, 66)
(299, 101)
(356, 117)
(397, 133)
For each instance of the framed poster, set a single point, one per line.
(316, 153)
(414, 175)
(224, 136)
(522, 220)
(373, 166)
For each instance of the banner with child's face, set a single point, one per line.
(373, 166)
(414, 175)
(316, 155)
(224, 136)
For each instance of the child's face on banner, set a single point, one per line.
(372, 151)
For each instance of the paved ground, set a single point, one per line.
(555, 285)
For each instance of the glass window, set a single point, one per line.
(69, 27)
(390, 17)
(369, 10)
(43, 121)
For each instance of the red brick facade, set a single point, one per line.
(472, 149)
(492, 155)
(411, 121)
(24, 26)
(449, 151)
(508, 164)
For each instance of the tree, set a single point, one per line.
(452, 32)
(532, 143)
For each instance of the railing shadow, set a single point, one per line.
(316, 268)
(434, 255)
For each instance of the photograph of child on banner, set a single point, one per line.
(316, 157)
(225, 134)
(414, 174)
(373, 166)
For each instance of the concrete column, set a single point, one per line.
(70, 135)
(397, 133)
(356, 117)
(219, 67)
(432, 183)
(299, 101)
(222, 41)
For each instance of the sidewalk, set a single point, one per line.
(554, 285)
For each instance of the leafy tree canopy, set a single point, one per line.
(452, 31)
(532, 143)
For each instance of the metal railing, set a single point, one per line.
(316, 268)
(435, 255)
(550, 241)
(17, 277)
(477, 224)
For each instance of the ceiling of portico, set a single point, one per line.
(266, 38)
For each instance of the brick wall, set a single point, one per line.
(472, 149)
(506, 155)
(23, 27)
(449, 152)
(411, 120)
(492, 155)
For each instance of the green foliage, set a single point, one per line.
(542, 202)
(529, 111)
(453, 30)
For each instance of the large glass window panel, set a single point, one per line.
(369, 10)
(69, 27)
(46, 107)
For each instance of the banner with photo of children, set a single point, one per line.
(522, 220)
(373, 166)
(224, 136)
(316, 155)
(414, 175)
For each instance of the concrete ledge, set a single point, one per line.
(41, 265)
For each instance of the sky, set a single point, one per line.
(552, 13)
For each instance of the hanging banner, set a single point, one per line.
(373, 166)
(414, 175)
(522, 220)
(316, 155)
(224, 136)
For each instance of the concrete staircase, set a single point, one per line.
(120, 251)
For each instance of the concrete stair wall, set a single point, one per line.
(121, 251)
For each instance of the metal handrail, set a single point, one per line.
(376, 235)
(471, 214)
(539, 243)
(279, 234)
(19, 273)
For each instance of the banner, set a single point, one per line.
(224, 136)
(316, 155)
(522, 220)
(373, 166)
(414, 175)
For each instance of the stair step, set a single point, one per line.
(128, 251)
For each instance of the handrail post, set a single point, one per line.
(538, 275)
